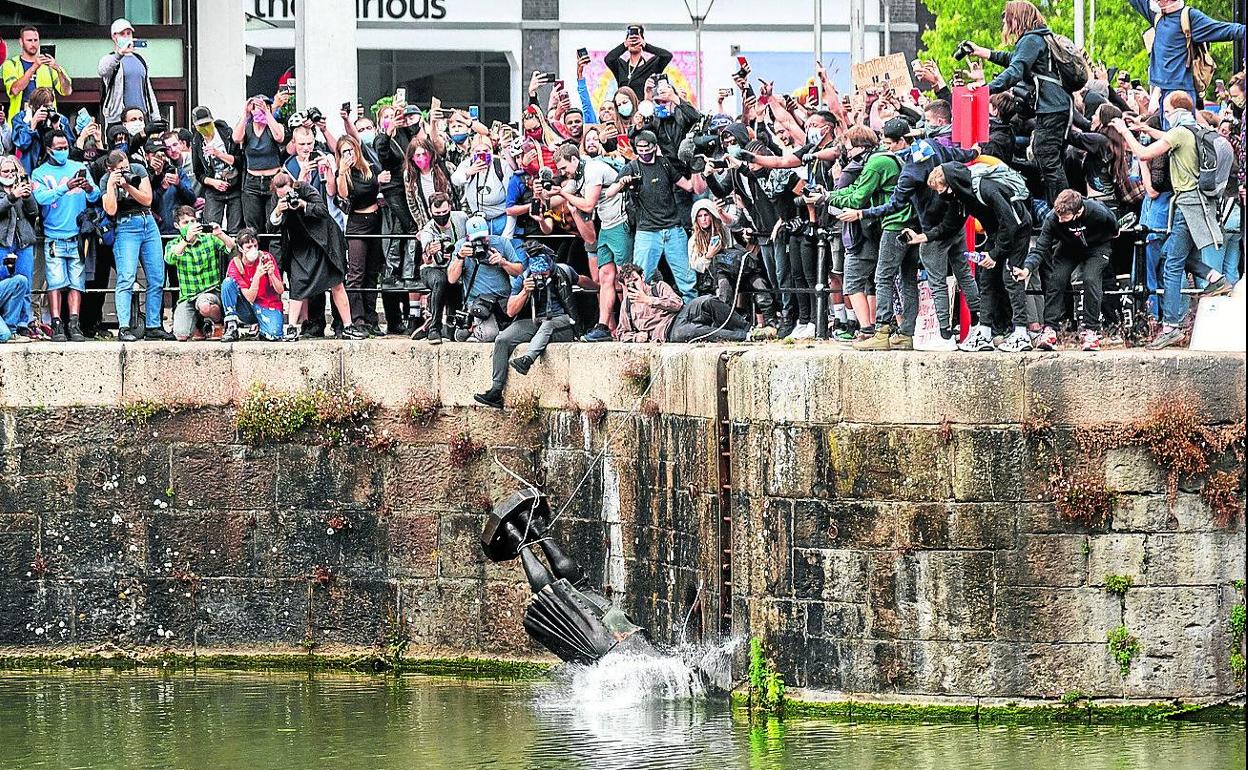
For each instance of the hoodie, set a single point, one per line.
(60, 205)
(1007, 223)
(874, 186)
(1092, 231)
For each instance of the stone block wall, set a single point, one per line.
(892, 533)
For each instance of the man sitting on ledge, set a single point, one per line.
(654, 312)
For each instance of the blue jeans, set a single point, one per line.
(1228, 265)
(1155, 213)
(673, 244)
(14, 305)
(1180, 255)
(25, 267)
(138, 240)
(238, 309)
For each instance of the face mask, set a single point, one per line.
(423, 162)
(625, 110)
(533, 133)
(59, 156)
(814, 136)
(134, 127)
(662, 110)
(646, 156)
(367, 137)
(442, 219)
(8, 180)
(259, 118)
(251, 254)
(458, 138)
(386, 123)
(124, 41)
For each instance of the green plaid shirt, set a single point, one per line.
(199, 265)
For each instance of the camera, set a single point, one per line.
(481, 251)
(547, 179)
(314, 115)
(540, 281)
(963, 50)
(292, 198)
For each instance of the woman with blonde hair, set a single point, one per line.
(1031, 64)
(355, 188)
(19, 214)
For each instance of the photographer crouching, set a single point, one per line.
(490, 268)
(544, 311)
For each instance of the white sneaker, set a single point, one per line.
(941, 344)
(1018, 342)
(804, 332)
(979, 339)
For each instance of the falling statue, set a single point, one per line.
(564, 615)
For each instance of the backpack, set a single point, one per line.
(1215, 156)
(1003, 175)
(1067, 64)
(1199, 59)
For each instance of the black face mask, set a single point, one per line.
(442, 219)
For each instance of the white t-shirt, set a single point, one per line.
(611, 211)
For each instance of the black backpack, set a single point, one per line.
(1069, 68)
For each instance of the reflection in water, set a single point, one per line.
(208, 721)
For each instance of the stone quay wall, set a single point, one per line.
(891, 526)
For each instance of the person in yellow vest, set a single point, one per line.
(29, 70)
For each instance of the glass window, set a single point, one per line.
(152, 11)
(458, 78)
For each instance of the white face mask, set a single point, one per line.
(8, 180)
(134, 127)
(251, 254)
(814, 136)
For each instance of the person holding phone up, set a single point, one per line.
(124, 76)
(634, 61)
(33, 68)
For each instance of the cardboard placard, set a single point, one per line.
(882, 72)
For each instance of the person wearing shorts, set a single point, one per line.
(64, 268)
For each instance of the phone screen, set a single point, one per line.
(582, 53)
(48, 50)
(474, 112)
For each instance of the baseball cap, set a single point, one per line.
(477, 228)
(201, 116)
(121, 25)
(411, 109)
(897, 128)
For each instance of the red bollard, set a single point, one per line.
(970, 127)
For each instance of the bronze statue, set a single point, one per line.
(564, 615)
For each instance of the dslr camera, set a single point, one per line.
(963, 50)
(481, 251)
(313, 115)
(291, 198)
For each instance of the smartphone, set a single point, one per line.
(140, 43)
(82, 174)
(903, 239)
(547, 77)
(346, 107)
(742, 63)
(400, 94)
(483, 158)
(1219, 84)
(435, 108)
(633, 30)
(725, 92)
(474, 112)
(835, 211)
(582, 53)
(559, 86)
(812, 94)
(50, 50)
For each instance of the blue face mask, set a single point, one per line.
(457, 138)
(59, 157)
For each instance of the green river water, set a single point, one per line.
(249, 721)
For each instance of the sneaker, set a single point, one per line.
(878, 341)
(785, 330)
(804, 332)
(17, 338)
(1089, 340)
(900, 341)
(522, 364)
(1018, 342)
(977, 341)
(205, 328)
(373, 330)
(293, 333)
(434, 337)
(310, 329)
(58, 330)
(1168, 336)
(491, 397)
(942, 344)
(420, 333)
(1046, 339)
(1217, 288)
(231, 332)
(157, 334)
(762, 333)
(600, 333)
(354, 332)
(74, 330)
(844, 335)
(399, 328)
(127, 336)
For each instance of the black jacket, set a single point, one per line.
(391, 154)
(1007, 223)
(203, 166)
(1094, 231)
(636, 80)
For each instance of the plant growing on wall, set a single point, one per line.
(526, 407)
(766, 686)
(637, 374)
(1118, 584)
(1237, 624)
(1124, 647)
(335, 416)
(422, 409)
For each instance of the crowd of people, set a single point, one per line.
(642, 218)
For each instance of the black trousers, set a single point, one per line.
(802, 253)
(1048, 146)
(401, 254)
(701, 320)
(91, 314)
(226, 209)
(1055, 275)
(435, 278)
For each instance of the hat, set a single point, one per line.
(201, 116)
(121, 25)
(411, 109)
(897, 128)
(646, 136)
(477, 228)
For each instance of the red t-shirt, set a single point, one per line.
(243, 274)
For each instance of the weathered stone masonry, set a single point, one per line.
(892, 532)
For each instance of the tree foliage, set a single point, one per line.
(1114, 38)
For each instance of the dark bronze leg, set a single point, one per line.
(562, 564)
(537, 573)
